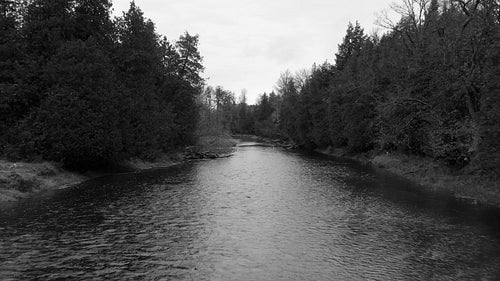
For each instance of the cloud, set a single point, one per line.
(283, 53)
(248, 43)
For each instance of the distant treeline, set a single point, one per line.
(79, 87)
(429, 87)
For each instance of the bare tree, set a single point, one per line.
(284, 83)
(413, 10)
(411, 23)
(300, 78)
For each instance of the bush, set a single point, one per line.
(451, 143)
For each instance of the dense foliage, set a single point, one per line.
(79, 87)
(430, 86)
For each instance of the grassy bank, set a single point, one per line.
(431, 174)
(476, 189)
(425, 172)
(216, 144)
(22, 179)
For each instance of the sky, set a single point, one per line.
(247, 44)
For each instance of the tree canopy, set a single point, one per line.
(428, 86)
(79, 87)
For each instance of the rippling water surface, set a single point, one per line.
(264, 214)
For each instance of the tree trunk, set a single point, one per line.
(474, 113)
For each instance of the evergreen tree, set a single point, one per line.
(11, 52)
(47, 25)
(79, 121)
(190, 59)
(138, 60)
(82, 89)
(350, 46)
(183, 85)
(287, 119)
(314, 96)
(92, 19)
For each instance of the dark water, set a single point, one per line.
(264, 214)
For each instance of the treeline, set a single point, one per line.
(222, 112)
(429, 87)
(83, 88)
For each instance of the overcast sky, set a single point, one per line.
(246, 44)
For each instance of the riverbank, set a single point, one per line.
(211, 147)
(472, 188)
(278, 142)
(431, 174)
(20, 180)
(425, 172)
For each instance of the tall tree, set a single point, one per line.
(11, 52)
(138, 59)
(287, 88)
(350, 46)
(47, 25)
(190, 59)
(184, 84)
(92, 19)
(79, 121)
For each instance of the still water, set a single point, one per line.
(263, 214)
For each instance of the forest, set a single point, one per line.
(82, 88)
(430, 86)
(85, 89)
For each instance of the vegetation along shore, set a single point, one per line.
(24, 179)
(430, 174)
(83, 91)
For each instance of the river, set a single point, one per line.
(263, 214)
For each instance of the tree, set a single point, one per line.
(314, 96)
(79, 122)
(82, 89)
(350, 46)
(245, 122)
(182, 84)
(190, 59)
(264, 124)
(224, 102)
(264, 108)
(92, 19)
(47, 25)
(138, 58)
(11, 52)
(286, 87)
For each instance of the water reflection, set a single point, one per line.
(264, 214)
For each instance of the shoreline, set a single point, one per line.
(20, 180)
(431, 175)
(426, 173)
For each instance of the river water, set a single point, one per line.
(263, 214)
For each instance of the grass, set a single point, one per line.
(221, 144)
(20, 179)
(436, 176)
